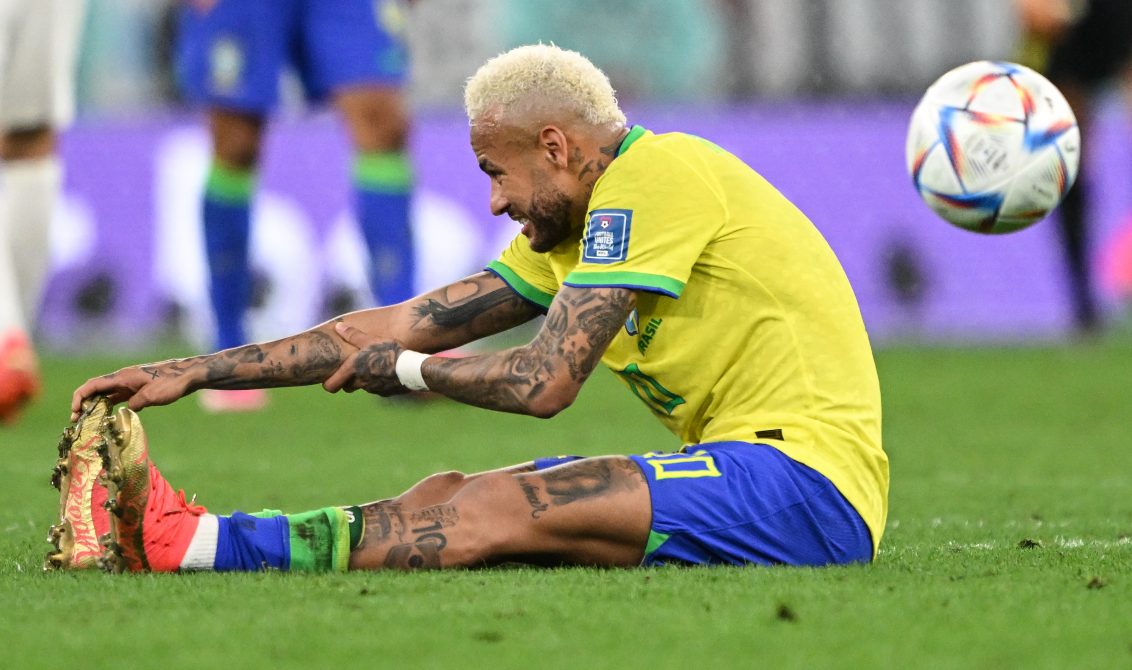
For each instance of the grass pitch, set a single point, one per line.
(1008, 543)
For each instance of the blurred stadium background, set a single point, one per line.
(815, 94)
(1009, 542)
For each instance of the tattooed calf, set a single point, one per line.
(417, 537)
(383, 520)
(442, 516)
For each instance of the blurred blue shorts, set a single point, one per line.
(231, 55)
(738, 503)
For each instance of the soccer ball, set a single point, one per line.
(993, 147)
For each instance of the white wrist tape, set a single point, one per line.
(408, 370)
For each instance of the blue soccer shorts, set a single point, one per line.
(232, 55)
(738, 503)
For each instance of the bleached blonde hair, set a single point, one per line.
(556, 76)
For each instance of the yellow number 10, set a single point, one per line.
(685, 466)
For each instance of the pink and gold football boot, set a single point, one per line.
(151, 526)
(83, 519)
(116, 510)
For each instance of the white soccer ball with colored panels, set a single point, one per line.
(993, 147)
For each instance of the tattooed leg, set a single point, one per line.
(590, 512)
(442, 486)
(403, 539)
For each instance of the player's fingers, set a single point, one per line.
(350, 334)
(340, 377)
(137, 401)
(89, 388)
(76, 403)
(77, 398)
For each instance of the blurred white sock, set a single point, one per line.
(28, 191)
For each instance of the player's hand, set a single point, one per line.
(372, 368)
(138, 386)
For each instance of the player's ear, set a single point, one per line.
(553, 145)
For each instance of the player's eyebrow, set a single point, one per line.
(489, 168)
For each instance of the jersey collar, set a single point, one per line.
(635, 133)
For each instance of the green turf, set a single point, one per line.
(1008, 542)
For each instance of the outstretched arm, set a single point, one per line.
(540, 378)
(456, 314)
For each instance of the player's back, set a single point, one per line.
(765, 341)
(809, 347)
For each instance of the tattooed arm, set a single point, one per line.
(540, 379)
(456, 314)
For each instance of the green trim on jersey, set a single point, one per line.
(635, 133)
(520, 285)
(640, 280)
(655, 540)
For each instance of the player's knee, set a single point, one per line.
(27, 143)
(444, 480)
(237, 153)
(435, 488)
(236, 139)
(489, 528)
(385, 136)
(378, 120)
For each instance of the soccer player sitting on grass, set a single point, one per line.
(713, 299)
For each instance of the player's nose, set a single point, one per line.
(499, 203)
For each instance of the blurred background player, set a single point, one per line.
(39, 42)
(348, 52)
(1080, 45)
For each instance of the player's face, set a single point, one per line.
(526, 187)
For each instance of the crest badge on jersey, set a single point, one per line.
(633, 323)
(226, 65)
(607, 236)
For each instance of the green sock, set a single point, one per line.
(320, 540)
(357, 525)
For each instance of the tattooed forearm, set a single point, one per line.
(307, 358)
(320, 356)
(577, 330)
(375, 360)
(219, 368)
(470, 309)
(462, 313)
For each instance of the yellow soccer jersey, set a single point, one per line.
(745, 327)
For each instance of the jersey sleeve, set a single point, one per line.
(526, 272)
(651, 215)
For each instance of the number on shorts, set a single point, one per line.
(684, 466)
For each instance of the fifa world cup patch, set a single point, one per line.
(607, 236)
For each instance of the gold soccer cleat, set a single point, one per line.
(79, 476)
(150, 524)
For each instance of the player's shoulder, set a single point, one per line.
(674, 143)
(657, 153)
